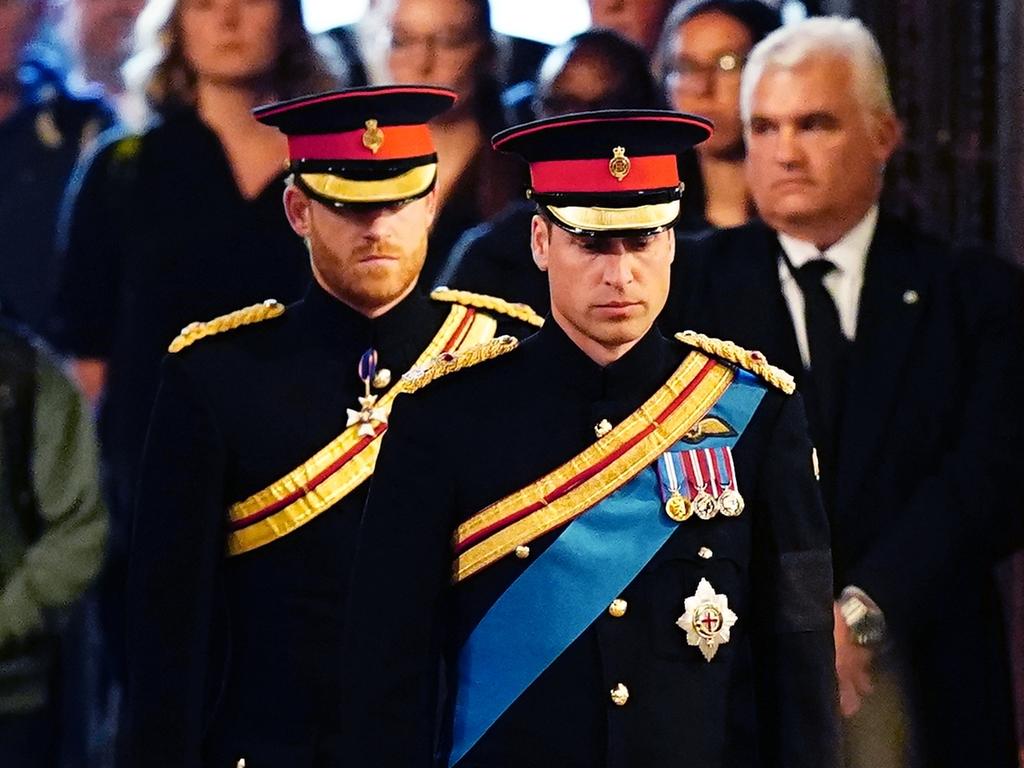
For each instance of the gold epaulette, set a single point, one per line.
(193, 332)
(449, 362)
(522, 312)
(754, 362)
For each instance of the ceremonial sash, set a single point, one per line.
(344, 463)
(612, 537)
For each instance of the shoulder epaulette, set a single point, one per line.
(522, 312)
(256, 313)
(754, 362)
(449, 362)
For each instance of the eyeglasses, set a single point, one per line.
(450, 41)
(689, 72)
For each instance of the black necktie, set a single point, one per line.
(829, 351)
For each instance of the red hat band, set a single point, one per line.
(373, 142)
(595, 176)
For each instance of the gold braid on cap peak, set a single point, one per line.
(731, 352)
(193, 332)
(522, 312)
(450, 362)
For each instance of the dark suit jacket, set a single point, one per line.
(929, 446)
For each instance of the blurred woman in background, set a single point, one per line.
(699, 60)
(449, 43)
(179, 224)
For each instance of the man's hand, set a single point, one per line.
(853, 667)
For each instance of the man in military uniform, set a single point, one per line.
(614, 540)
(262, 440)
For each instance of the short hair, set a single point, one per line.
(160, 70)
(826, 36)
(636, 89)
(758, 18)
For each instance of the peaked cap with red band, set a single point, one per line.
(362, 146)
(607, 172)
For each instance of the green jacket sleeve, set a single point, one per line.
(59, 565)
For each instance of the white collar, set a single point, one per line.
(849, 254)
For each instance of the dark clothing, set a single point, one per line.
(497, 253)
(471, 439)
(928, 445)
(27, 740)
(517, 59)
(485, 189)
(348, 46)
(233, 657)
(41, 142)
(159, 237)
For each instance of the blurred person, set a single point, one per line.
(98, 35)
(904, 349)
(181, 222)
(52, 532)
(700, 58)
(596, 69)
(44, 128)
(263, 440)
(515, 58)
(449, 43)
(637, 20)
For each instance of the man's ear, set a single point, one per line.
(671, 244)
(540, 241)
(431, 198)
(887, 136)
(297, 208)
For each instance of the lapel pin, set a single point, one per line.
(911, 296)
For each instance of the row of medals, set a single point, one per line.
(705, 506)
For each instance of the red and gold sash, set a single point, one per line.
(570, 490)
(347, 461)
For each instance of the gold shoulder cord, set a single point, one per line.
(522, 312)
(193, 332)
(450, 362)
(731, 352)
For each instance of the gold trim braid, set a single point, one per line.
(552, 513)
(442, 365)
(598, 219)
(312, 498)
(754, 362)
(409, 184)
(256, 313)
(516, 311)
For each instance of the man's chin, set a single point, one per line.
(618, 333)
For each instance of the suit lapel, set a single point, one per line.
(892, 300)
(752, 309)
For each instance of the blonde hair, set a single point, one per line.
(160, 71)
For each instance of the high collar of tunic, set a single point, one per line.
(640, 370)
(404, 330)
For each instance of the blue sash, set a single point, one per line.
(592, 562)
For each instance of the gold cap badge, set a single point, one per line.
(373, 137)
(619, 165)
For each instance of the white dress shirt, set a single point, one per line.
(843, 283)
